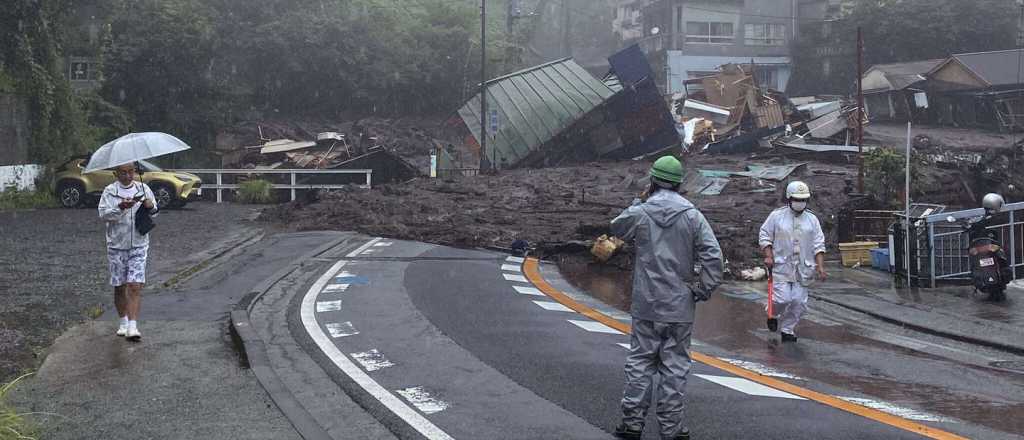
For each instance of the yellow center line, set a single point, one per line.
(531, 268)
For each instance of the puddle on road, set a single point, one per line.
(832, 355)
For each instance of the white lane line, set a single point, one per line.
(553, 306)
(905, 413)
(383, 244)
(364, 247)
(511, 268)
(328, 306)
(623, 345)
(416, 420)
(516, 278)
(760, 369)
(528, 290)
(421, 399)
(372, 360)
(333, 288)
(748, 386)
(519, 260)
(594, 326)
(368, 251)
(341, 329)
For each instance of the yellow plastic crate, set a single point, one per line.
(857, 252)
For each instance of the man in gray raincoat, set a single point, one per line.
(670, 236)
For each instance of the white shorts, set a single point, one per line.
(127, 265)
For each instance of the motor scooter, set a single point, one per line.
(990, 271)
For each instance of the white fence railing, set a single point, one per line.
(220, 186)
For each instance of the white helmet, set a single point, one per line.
(992, 202)
(798, 190)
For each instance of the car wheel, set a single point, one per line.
(164, 196)
(70, 194)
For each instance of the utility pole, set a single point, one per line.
(483, 84)
(566, 30)
(860, 111)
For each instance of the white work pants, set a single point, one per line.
(790, 304)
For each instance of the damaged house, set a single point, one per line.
(557, 113)
(895, 92)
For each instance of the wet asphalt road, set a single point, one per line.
(55, 269)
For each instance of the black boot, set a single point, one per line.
(786, 337)
(623, 432)
(682, 435)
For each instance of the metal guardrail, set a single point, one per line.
(293, 186)
(939, 248)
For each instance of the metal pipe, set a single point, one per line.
(483, 83)
(860, 112)
(907, 204)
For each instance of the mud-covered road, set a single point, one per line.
(55, 268)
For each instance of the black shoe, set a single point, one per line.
(623, 432)
(786, 337)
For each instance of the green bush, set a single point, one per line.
(14, 199)
(14, 425)
(256, 191)
(885, 173)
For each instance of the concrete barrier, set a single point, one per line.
(20, 177)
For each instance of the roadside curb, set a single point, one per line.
(184, 275)
(898, 314)
(255, 354)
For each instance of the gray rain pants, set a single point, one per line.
(662, 348)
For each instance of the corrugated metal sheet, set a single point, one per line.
(533, 106)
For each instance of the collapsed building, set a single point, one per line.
(558, 113)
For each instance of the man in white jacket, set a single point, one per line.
(794, 250)
(126, 247)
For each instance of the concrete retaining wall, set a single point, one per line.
(20, 177)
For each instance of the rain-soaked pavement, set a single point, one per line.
(943, 378)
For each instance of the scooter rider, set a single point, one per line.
(793, 245)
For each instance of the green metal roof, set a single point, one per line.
(534, 105)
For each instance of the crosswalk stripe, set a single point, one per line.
(372, 360)
(332, 288)
(328, 306)
(516, 278)
(383, 244)
(528, 290)
(511, 268)
(594, 326)
(341, 329)
(623, 345)
(422, 400)
(519, 260)
(748, 387)
(553, 306)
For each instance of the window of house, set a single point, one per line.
(703, 32)
(767, 77)
(765, 34)
(826, 67)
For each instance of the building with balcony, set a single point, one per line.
(692, 38)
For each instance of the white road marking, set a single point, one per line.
(623, 345)
(383, 244)
(760, 369)
(341, 329)
(368, 251)
(333, 288)
(372, 360)
(511, 268)
(594, 326)
(421, 399)
(519, 260)
(328, 306)
(393, 403)
(528, 290)
(553, 306)
(516, 278)
(897, 411)
(748, 386)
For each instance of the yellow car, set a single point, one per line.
(171, 188)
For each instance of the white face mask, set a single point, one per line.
(798, 206)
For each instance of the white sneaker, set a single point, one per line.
(133, 334)
(122, 329)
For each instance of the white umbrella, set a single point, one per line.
(132, 147)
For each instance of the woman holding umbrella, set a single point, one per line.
(125, 206)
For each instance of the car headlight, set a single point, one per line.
(183, 178)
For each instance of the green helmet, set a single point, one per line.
(668, 168)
